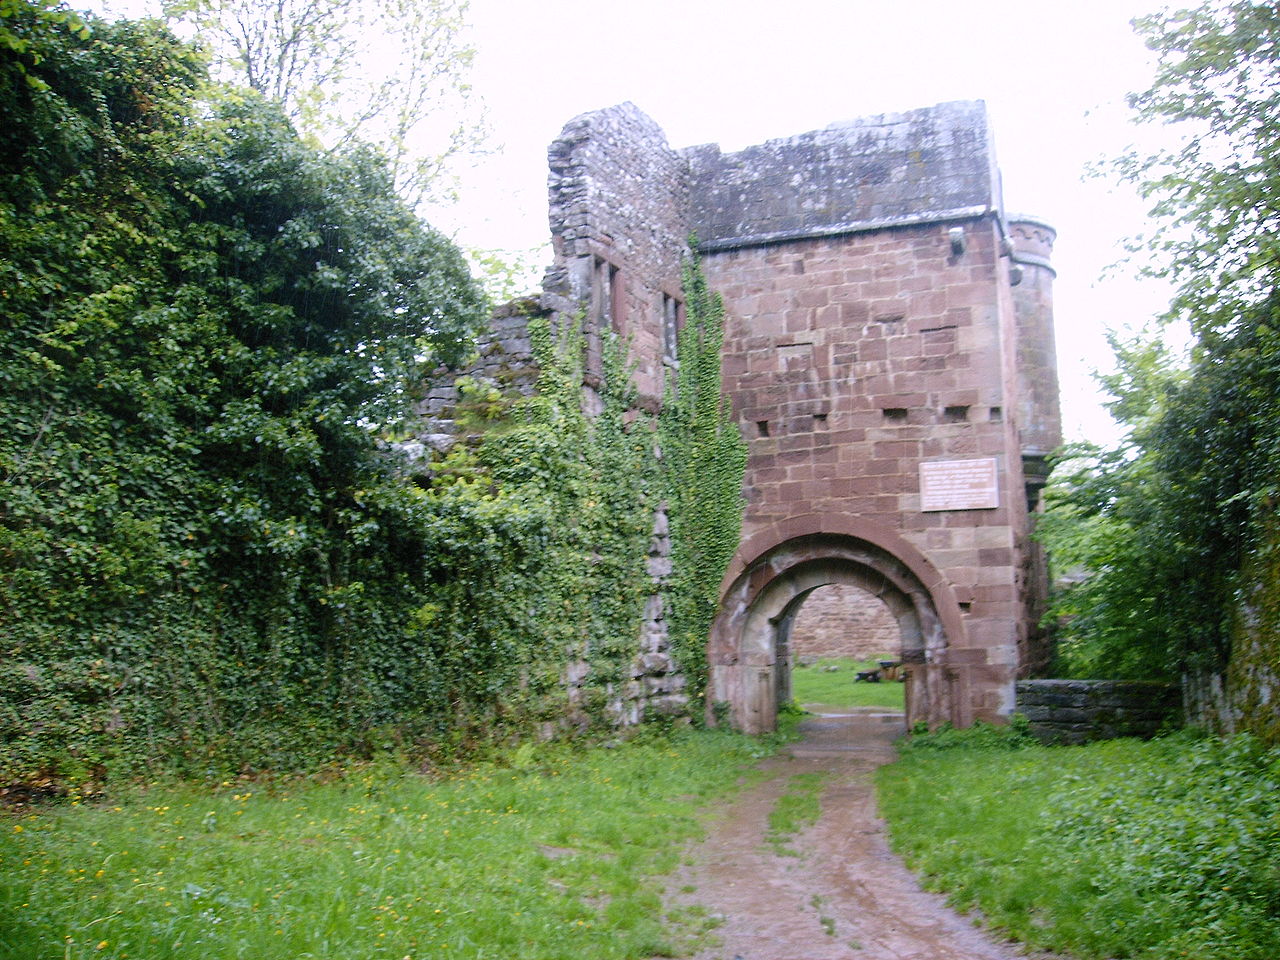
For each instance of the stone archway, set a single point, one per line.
(778, 568)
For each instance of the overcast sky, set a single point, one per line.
(736, 72)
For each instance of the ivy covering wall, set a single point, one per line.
(210, 560)
(707, 459)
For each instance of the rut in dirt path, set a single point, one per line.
(846, 896)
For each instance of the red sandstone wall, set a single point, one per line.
(852, 360)
(843, 621)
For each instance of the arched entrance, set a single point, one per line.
(771, 577)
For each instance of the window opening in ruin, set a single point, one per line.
(996, 414)
(762, 428)
(896, 414)
(957, 414)
(672, 321)
(603, 315)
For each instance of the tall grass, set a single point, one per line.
(1160, 850)
(549, 854)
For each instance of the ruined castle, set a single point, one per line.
(888, 354)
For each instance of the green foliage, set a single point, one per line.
(981, 735)
(209, 558)
(1165, 524)
(544, 852)
(204, 553)
(568, 586)
(1158, 850)
(706, 459)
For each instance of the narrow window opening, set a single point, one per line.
(896, 414)
(762, 428)
(957, 414)
(670, 328)
(995, 414)
(605, 304)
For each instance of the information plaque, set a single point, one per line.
(959, 485)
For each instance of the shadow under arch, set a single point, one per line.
(773, 573)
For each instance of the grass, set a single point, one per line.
(550, 854)
(797, 809)
(830, 682)
(1160, 850)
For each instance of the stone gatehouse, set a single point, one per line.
(888, 353)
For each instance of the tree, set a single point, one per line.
(1216, 198)
(386, 72)
(203, 543)
(1175, 515)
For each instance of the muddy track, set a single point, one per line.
(846, 896)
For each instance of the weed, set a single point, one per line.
(1158, 850)
(547, 851)
(795, 810)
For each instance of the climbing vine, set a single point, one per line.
(706, 458)
(210, 560)
(547, 628)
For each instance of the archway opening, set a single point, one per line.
(840, 650)
(749, 653)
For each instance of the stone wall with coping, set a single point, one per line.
(921, 166)
(1078, 711)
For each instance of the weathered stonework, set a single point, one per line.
(843, 621)
(1077, 711)
(882, 313)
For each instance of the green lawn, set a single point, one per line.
(550, 854)
(831, 683)
(1124, 849)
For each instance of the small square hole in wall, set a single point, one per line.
(995, 414)
(819, 421)
(762, 428)
(955, 414)
(965, 605)
(895, 414)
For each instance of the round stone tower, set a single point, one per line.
(1039, 417)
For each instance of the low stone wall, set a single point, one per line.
(1077, 711)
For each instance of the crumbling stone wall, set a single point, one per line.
(618, 199)
(503, 360)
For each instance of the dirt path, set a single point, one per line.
(846, 897)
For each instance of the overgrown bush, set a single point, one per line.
(210, 560)
(1118, 849)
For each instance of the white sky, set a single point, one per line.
(738, 72)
